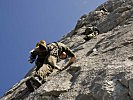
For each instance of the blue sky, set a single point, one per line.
(25, 22)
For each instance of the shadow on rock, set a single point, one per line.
(74, 71)
(22, 94)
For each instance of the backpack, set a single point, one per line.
(53, 49)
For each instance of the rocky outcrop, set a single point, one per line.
(104, 66)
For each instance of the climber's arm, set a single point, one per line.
(71, 61)
(32, 56)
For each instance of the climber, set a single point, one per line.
(103, 8)
(48, 56)
(90, 32)
(38, 55)
(40, 52)
(58, 51)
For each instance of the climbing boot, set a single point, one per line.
(36, 82)
(29, 85)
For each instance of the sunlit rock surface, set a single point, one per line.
(104, 66)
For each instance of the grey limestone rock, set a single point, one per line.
(104, 66)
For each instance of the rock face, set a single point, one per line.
(104, 66)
